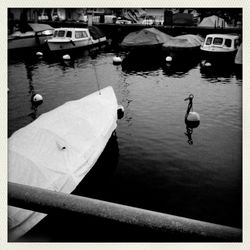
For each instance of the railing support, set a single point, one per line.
(46, 201)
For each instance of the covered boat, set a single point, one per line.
(149, 38)
(35, 35)
(73, 38)
(144, 46)
(184, 42)
(58, 149)
(182, 46)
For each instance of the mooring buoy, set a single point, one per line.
(39, 54)
(66, 57)
(117, 60)
(169, 59)
(192, 119)
(36, 99)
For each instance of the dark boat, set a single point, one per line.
(35, 35)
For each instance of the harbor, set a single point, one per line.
(153, 160)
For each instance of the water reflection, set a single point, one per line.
(188, 133)
(97, 180)
(30, 66)
(135, 61)
(179, 68)
(214, 72)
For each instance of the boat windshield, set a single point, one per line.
(69, 34)
(218, 41)
(209, 41)
(55, 33)
(228, 43)
(80, 34)
(59, 33)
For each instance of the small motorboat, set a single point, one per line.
(73, 38)
(36, 34)
(220, 48)
(58, 149)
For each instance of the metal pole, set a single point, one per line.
(46, 201)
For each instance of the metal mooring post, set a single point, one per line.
(45, 201)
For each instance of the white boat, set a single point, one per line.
(220, 48)
(58, 149)
(35, 36)
(72, 38)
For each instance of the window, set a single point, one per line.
(236, 43)
(80, 34)
(228, 43)
(218, 41)
(61, 33)
(55, 33)
(209, 41)
(69, 34)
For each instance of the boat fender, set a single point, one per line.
(169, 59)
(120, 111)
(39, 53)
(66, 57)
(205, 63)
(36, 99)
(208, 64)
(117, 60)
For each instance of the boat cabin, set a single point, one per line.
(221, 42)
(69, 33)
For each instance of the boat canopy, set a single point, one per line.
(38, 27)
(58, 149)
(95, 32)
(184, 41)
(145, 37)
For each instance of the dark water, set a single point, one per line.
(150, 163)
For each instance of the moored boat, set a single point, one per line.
(145, 38)
(58, 149)
(220, 48)
(144, 45)
(36, 34)
(72, 38)
(182, 47)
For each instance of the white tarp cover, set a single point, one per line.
(184, 41)
(58, 149)
(213, 22)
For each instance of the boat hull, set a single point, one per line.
(218, 57)
(70, 45)
(27, 42)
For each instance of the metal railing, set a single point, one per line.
(46, 201)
